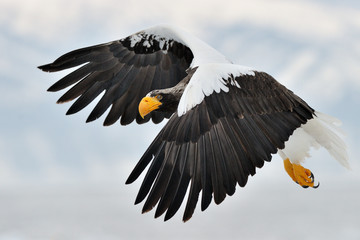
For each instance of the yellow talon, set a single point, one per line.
(299, 174)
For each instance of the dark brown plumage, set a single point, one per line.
(232, 123)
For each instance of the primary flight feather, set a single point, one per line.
(225, 119)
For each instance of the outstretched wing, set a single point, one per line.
(218, 143)
(125, 70)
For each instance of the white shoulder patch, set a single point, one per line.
(202, 52)
(209, 78)
(148, 40)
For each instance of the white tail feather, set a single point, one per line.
(322, 130)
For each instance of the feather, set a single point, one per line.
(226, 120)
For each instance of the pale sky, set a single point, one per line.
(63, 179)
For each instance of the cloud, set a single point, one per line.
(306, 65)
(52, 19)
(312, 47)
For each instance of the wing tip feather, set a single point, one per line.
(45, 67)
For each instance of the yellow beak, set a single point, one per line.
(147, 105)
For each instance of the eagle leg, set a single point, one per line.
(302, 176)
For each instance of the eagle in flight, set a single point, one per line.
(225, 120)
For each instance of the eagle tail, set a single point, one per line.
(326, 130)
(321, 131)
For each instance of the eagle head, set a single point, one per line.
(164, 100)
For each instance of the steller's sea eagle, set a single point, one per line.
(225, 119)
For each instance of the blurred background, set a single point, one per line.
(63, 179)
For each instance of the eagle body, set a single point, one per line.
(225, 120)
